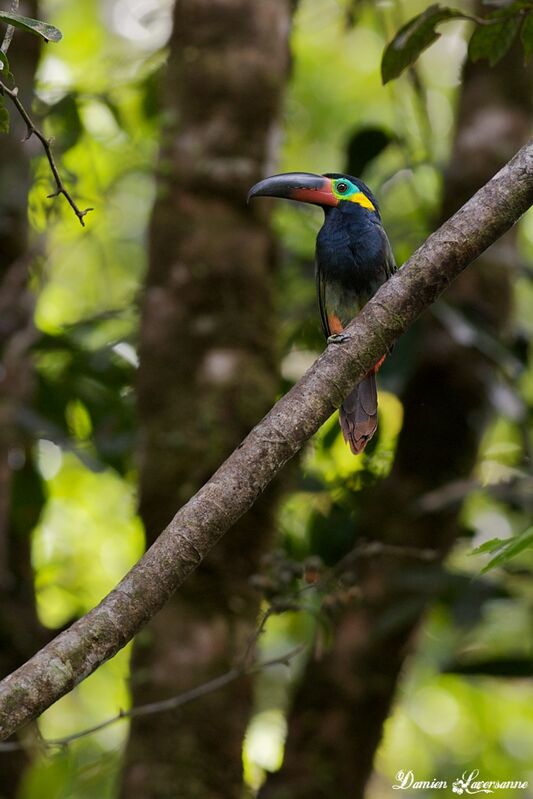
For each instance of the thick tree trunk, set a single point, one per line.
(20, 495)
(344, 698)
(207, 374)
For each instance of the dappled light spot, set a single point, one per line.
(263, 745)
(50, 458)
(436, 711)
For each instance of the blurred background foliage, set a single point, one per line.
(466, 696)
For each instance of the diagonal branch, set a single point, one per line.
(233, 489)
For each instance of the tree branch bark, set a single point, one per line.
(237, 484)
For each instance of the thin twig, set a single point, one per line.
(371, 549)
(33, 130)
(258, 632)
(521, 12)
(163, 705)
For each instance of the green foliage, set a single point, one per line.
(83, 402)
(413, 38)
(65, 118)
(443, 722)
(6, 71)
(82, 418)
(506, 549)
(81, 547)
(47, 32)
(493, 41)
(91, 768)
(490, 40)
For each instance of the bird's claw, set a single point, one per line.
(338, 338)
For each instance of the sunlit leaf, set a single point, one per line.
(513, 547)
(490, 546)
(5, 64)
(493, 41)
(415, 37)
(78, 420)
(48, 32)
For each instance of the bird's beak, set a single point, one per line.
(302, 186)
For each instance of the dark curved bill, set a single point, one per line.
(302, 186)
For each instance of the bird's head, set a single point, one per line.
(327, 190)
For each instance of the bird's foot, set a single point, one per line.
(338, 338)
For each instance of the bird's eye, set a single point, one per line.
(342, 187)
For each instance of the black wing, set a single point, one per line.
(321, 294)
(389, 261)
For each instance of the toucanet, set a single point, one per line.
(353, 259)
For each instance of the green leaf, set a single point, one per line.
(513, 547)
(4, 117)
(490, 546)
(493, 41)
(66, 122)
(526, 35)
(415, 36)
(4, 62)
(5, 71)
(48, 32)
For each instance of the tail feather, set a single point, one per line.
(359, 414)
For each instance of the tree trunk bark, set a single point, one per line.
(344, 698)
(207, 374)
(21, 497)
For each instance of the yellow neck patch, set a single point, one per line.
(361, 199)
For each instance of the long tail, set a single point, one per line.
(359, 414)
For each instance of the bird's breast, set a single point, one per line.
(350, 259)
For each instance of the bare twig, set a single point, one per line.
(256, 635)
(232, 490)
(372, 549)
(33, 130)
(164, 705)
